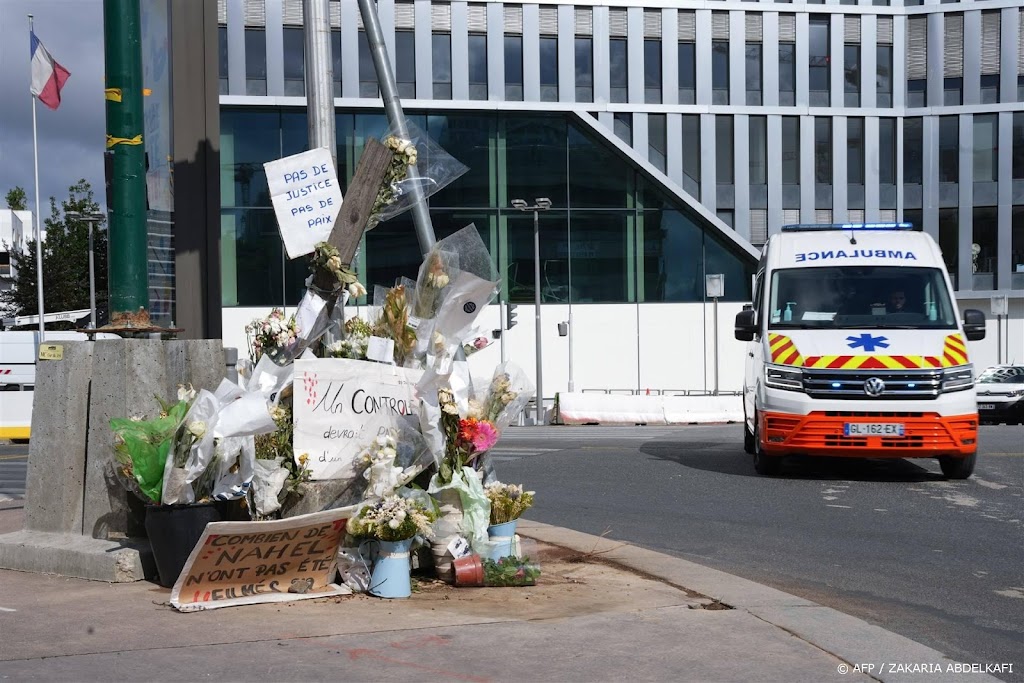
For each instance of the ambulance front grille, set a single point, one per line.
(850, 384)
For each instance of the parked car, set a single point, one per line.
(1001, 394)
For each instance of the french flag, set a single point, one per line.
(48, 76)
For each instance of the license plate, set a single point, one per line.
(873, 429)
(986, 406)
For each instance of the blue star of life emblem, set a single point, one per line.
(868, 342)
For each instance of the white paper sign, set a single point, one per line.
(380, 349)
(335, 399)
(306, 196)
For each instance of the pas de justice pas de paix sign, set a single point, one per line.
(306, 197)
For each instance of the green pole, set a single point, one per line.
(128, 272)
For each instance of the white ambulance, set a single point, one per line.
(855, 349)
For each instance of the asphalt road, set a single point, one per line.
(13, 468)
(891, 542)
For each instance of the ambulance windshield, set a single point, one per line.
(850, 297)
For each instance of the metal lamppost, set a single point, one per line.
(540, 204)
(89, 219)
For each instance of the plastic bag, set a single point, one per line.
(505, 397)
(192, 451)
(418, 162)
(354, 566)
(235, 458)
(268, 480)
(394, 455)
(476, 507)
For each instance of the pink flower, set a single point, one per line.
(480, 342)
(485, 437)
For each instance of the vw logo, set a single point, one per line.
(873, 386)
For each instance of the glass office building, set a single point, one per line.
(672, 138)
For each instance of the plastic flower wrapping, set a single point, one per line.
(275, 333)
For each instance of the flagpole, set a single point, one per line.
(39, 232)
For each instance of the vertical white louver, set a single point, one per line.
(787, 28)
(855, 216)
(851, 30)
(548, 20)
(405, 15)
(823, 216)
(617, 23)
(887, 215)
(1020, 42)
(334, 9)
(476, 18)
(917, 47)
(652, 23)
(687, 26)
(222, 12)
(292, 13)
(720, 26)
(754, 30)
(514, 19)
(884, 30)
(953, 46)
(758, 226)
(255, 13)
(584, 21)
(990, 30)
(790, 216)
(441, 17)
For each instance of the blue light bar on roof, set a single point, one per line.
(808, 227)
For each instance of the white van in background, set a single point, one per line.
(856, 349)
(19, 353)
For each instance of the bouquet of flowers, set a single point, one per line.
(357, 338)
(275, 333)
(465, 438)
(508, 501)
(508, 393)
(141, 446)
(392, 519)
(330, 274)
(393, 322)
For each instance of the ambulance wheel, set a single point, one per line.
(957, 468)
(767, 465)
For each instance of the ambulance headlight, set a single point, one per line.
(782, 377)
(958, 378)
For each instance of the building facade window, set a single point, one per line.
(255, 61)
(913, 150)
(949, 240)
(953, 91)
(1018, 145)
(623, 127)
(584, 69)
(720, 72)
(986, 143)
(687, 73)
(514, 68)
(657, 141)
(990, 88)
(855, 151)
(367, 73)
(222, 59)
(336, 60)
(887, 151)
(294, 64)
(691, 153)
(548, 69)
(755, 71)
(986, 229)
(477, 66)
(724, 158)
(787, 74)
(823, 150)
(405, 64)
(652, 71)
(758, 143)
(619, 74)
(883, 75)
(441, 65)
(790, 150)
(949, 149)
(851, 75)
(818, 59)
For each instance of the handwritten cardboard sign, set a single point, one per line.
(336, 399)
(306, 196)
(242, 563)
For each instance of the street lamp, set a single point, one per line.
(539, 204)
(89, 219)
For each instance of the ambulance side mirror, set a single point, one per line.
(974, 324)
(746, 325)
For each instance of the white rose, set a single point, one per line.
(197, 429)
(394, 524)
(186, 393)
(356, 290)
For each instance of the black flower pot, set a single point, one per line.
(173, 532)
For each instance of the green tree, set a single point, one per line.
(16, 200)
(65, 261)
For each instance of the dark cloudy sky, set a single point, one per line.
(71, 139)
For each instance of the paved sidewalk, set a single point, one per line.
(602, 611)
